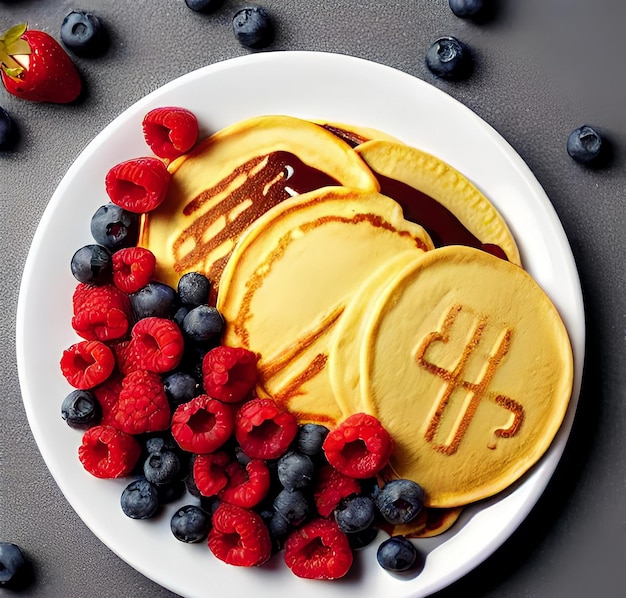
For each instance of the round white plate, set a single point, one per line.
(309, 85)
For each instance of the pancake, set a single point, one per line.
(466, 362)
(290, 277)
(232, 177)
(471, 219)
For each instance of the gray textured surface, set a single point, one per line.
(543, 68)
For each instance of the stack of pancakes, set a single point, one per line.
(372, 277)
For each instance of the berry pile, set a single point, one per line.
(159, 399)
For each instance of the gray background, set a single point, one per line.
(543, 68)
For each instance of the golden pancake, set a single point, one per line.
(468, 365)
(290, 277)
(474, 218)
(355, 134)
(232, 177)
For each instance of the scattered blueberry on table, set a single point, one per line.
(468, 9)
(253, 27)
(14, 566)
(8, 131)
(204, 5)
(84, 34)
(586, 145)
(449, 58)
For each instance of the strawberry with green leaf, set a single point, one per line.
(34, 66)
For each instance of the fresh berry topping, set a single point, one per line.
(229, 373)
(204, 5)
(133, 268)
(202, 324)
(331, 487)
(138, 185)
(359, 447)
(449, 58)
(310, 439)
(100, 312)
(293, 506)
(209, 472)
(92, 264)
(155, 299)
(295, 470)
(263, 429)
(318, 550)
(107, 395)
(585, 145)
(158, 344)
(193, 289)
(190, 524)
(106, 452)
(253, 27)
(8, 131)
(247, 485)
(35, 67)
(14, 566)
(140, 499)
(400, 501)
(142, 405)
(162, 467)
(239, 536)
(355, 514)
(87, 364)
(170, 132)
(203, 424)
(397, 554)
(114, 228)
(84, 34)
(80, 409)
(180, 387)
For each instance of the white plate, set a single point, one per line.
(309, 85)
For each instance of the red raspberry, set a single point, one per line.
(239, 536)
(126, 356)
(107, 395)
(331, 487)
(101, 312)
(157, 344)
(142, 406)
(247, 486)
(108, 453)
(229, 373)
(170, 131)
(209, 473)
(203, 424)
(263, 430)
(138, 185)
(359, 447)
(87, 364)
(318, 550)
(133, 268)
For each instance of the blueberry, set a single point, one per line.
(162, 467)
(80, 409)
(160, 444)
(8, 131)
(203, 323)
(190, 524)
(585, 145)
(397, 554)
(14, 566)
(140, 499)
(293, 506)
(84, 34)
(180, 314)
(448, 58)
(468, 9)
(310, 439)
(155, 299)
(193, 289)
(355, 514)
(114, 227)
(92, 264)
(204, 5)
(253, 27)
(295, 470)
(400, 501)
(180, 387)
(365, 537)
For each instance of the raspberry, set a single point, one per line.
(108, 394)
(170, 131)
(318, 550)
(263, 430)
(142, 405)
(126, 356)
(239, 536)
(209, 473)
(331, 487)
(87, 364)
(133, 268)
(107, 452)
(359, 447)
(203, 424)
(229, 373)
(157, 344)
(100, 312)
(138, 185)
(247, 486)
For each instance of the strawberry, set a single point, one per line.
(35, 67)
